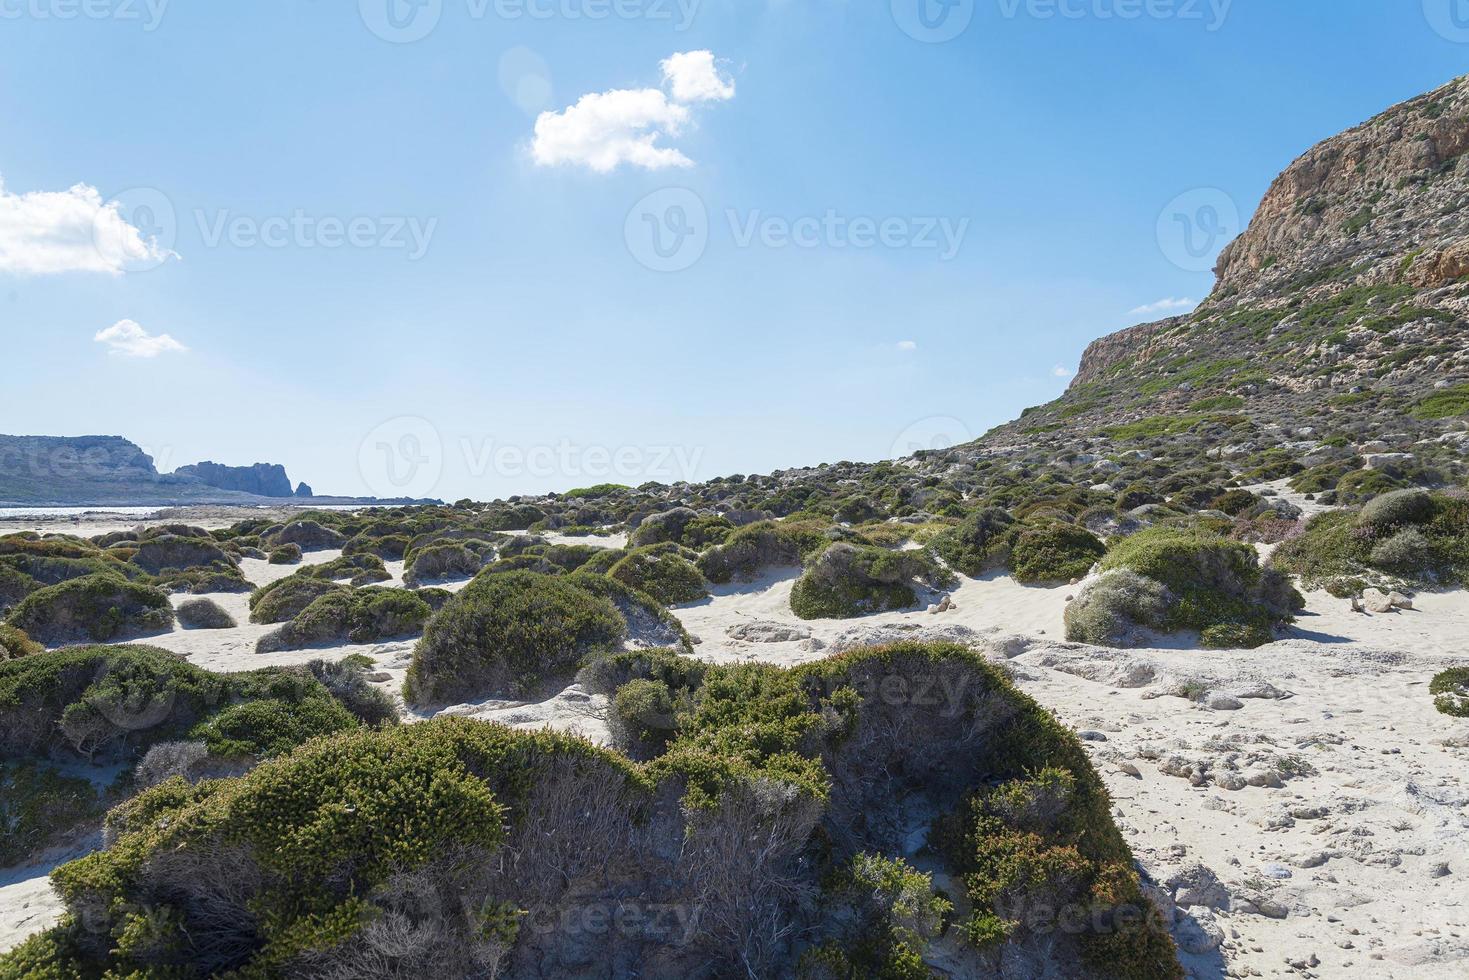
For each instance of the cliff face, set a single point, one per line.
(261, 479)
(1117, 348)
(1384, 193)
(1344, 300)
(111, 471)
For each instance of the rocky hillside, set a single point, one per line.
(1336, 329)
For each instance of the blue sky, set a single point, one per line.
(892, 242)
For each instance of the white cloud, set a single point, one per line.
(693, 78)
(604, 130)
(49, 232)
(126, 338)
(1164, 306)
(907, 345)
(1061, 371)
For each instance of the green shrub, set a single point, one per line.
(447, 559)
(851, 580)
(663, 572)
(172, 551)
(286, 554)
(97, 607)
(1445, 404)
(1408, 552)
(894, 914)
(980, 543)
(1413, 535)
(756, 548)
(38, 805)
(509, 634)
(115, 702)
(14, 586)
(14, 643)
(1400, 507)
(272, 726)
(1235, 502)
(1451, 692)
(1210, 583)
(1056, 553)
(285, 598)
(204, 614)
(351, 615)
(1107, 610)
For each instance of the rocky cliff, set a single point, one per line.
(261, 479)
(87, 469)
(1341, 309)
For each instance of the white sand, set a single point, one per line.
(1373, 833)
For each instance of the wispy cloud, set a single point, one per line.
(126, 338)
(50, 232)
(907, 345)
(1061, 371)
(1169, 305)
(604, 130)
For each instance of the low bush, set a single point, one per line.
(1398, 508)
(756, 548)
(14, 643)
(272, 726)
(97, 607)
(203, 614)
(1411, 536)
(283, 599)
(113, 703)
(1055, 553)
(1451, 692)
(663, 571)
(38, 805)
(1182, 577)
(664, 527)
(447, 559)
(308, 535)
(1109, 610)
(286, 554)
(849, 580)
(366, 615)
(981, 543)
(180, 553)
(510, 634)
(347, 681)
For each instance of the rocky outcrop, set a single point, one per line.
(1122, 347)
(261, 479)
(1369, 198)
